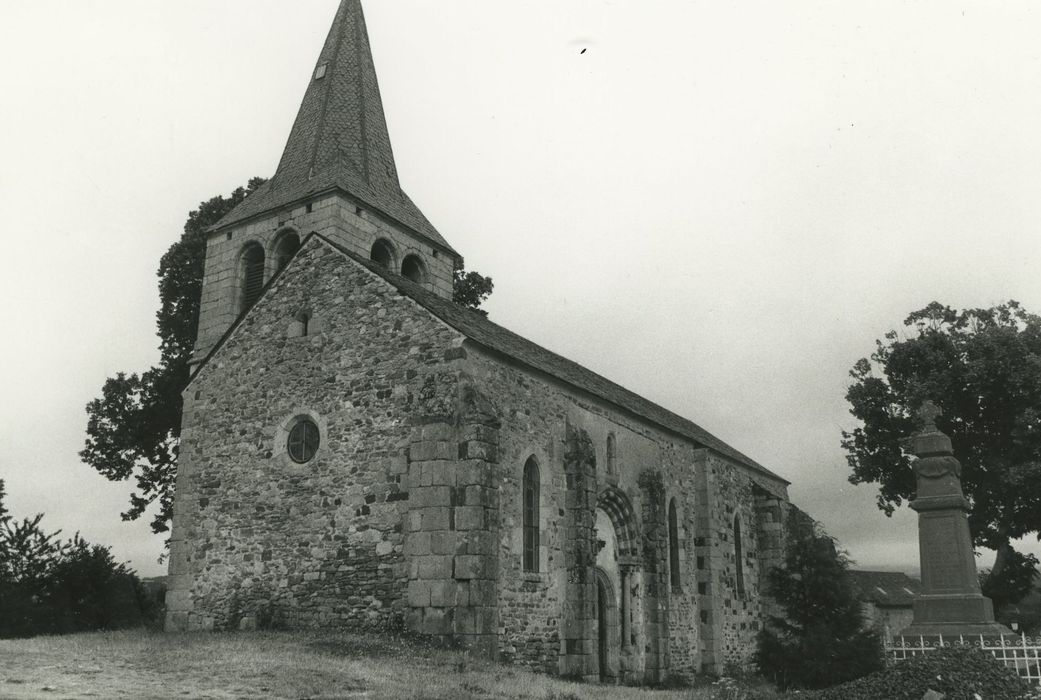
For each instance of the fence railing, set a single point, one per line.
(1021, 653)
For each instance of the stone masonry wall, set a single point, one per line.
(535, 410)
(453, 526)
(335, 216)
(731, 618)
(257, 536)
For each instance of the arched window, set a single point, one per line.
(287, 245)
(251, 275)
(612, 455)
(739, 557)
(531, 515)
(382, 254)
(674, 546)
(412, 268)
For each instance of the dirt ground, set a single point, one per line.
(139, 664)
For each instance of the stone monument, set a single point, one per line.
(950, 603)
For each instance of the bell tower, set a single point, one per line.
(337, 177)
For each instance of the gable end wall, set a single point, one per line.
(258, 538)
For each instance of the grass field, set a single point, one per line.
(139, 664)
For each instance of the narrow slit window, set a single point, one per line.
(674, 546)
(531, 515)
(739, 557)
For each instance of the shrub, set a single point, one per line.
(820, 641)
(959, 673)
(50, 586)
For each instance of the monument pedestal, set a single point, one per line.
(950, 603)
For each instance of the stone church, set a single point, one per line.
(360, 452)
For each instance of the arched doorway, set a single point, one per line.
(619, 583)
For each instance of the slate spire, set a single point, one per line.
(341, 120)
(339, 139)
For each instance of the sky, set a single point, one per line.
(720, 206)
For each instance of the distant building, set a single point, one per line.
(885, 599)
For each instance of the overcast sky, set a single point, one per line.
(718, 205)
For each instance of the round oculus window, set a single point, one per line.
(303, 441)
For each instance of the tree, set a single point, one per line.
(820, 640)
(134, 428)
(982, 367)
(470, 289)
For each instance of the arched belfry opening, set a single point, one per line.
(412, 268)
(383, 254)
(251, 275)
(286, 245)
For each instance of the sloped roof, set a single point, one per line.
(888, 589)
(479, 329)
(340, 139)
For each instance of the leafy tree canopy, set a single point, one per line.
(982, 367)
(134, 427)
(470, 289)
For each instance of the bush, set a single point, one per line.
(50, 586)
(959, 673)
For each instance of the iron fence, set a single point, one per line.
(1021, 653)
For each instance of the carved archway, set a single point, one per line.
(613, 501)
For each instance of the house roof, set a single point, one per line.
(339, 140)
(888, 589)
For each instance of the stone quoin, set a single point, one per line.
(360, 452)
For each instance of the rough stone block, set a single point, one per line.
(180, 600)
(480, 496)
(465, 621)
(482, 592)
(486, 619)
(429, 496)
(435, 567)
(473, 472)
(480, 542)
(419, 544)
(439, 473)
(482, 433)
(438, 620)
(469, 518)
(435, 518)
(443, 542)
(468, 566)
(474, 449)
(442, 593)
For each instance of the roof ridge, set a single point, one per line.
(451, 313)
